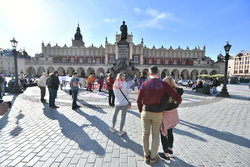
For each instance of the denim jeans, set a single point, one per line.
(111, 97)
(52, 96)
(74, 96)
(43, 92)
(123, 115)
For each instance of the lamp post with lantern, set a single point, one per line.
(14, 45)
(224, 92)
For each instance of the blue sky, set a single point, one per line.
(160, 22)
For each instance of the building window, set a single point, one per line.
(136, 60)
(208, 62)
(199, 62)
(98, 61)
(150, 61)
(175, 61)
(72, 60)
(46, 58)
(183, 62)
(80, 60)
(89, 60)
(166, 61)
(112, 59)
(63, 59)
(158, 61)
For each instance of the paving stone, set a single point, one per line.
(33, 161)
(212, 132)
(65, 162)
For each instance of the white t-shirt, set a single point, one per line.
(120, 100)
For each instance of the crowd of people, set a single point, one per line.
(157, 102)
(211, 84)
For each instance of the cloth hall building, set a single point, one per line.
(180, 63)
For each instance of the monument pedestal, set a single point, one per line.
(123, 64)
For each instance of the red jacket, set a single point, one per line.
(110, 83)
(152, 91)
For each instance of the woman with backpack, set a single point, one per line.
(169, 121)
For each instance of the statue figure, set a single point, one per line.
(124, 30)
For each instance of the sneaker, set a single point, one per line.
(121, 133)
(112, 129)
(164, 158)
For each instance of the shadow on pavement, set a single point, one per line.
(17, 130)
(239, 97)
(91, 106)
(137, 114)
(185, 133)
(175, 161)
(227, 136)
(74, 132)
(4, 120)
(124, 142)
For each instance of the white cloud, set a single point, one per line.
(109, 20)
(137, 10)
(156, 18)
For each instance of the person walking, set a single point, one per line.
(169, 121)
(90, 81)
(53, 84)
(150, 95)
(121, 91)
(110, 82)
(42, 85)
(74, 85)
(100, 82)
(142, 79)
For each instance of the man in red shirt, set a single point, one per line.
(150, 95)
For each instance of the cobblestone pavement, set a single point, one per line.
(212, 132)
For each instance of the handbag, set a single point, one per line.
(170, 119)
(129, 103)
(70, 92)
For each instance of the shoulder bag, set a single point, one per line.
(129, 103)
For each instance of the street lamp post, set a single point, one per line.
(14, 45)
(224, 92)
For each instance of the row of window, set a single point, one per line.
(241, 71)
(150, 61)
(2, 62)
(81, 60)
(241, 62)
(236, 67)
(8, 68)
(75, 52)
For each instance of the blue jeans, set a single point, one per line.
(74, 96)
(52, 96)
(123, 115)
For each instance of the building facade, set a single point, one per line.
(241, 65)
(180, 63)
(7, 61)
